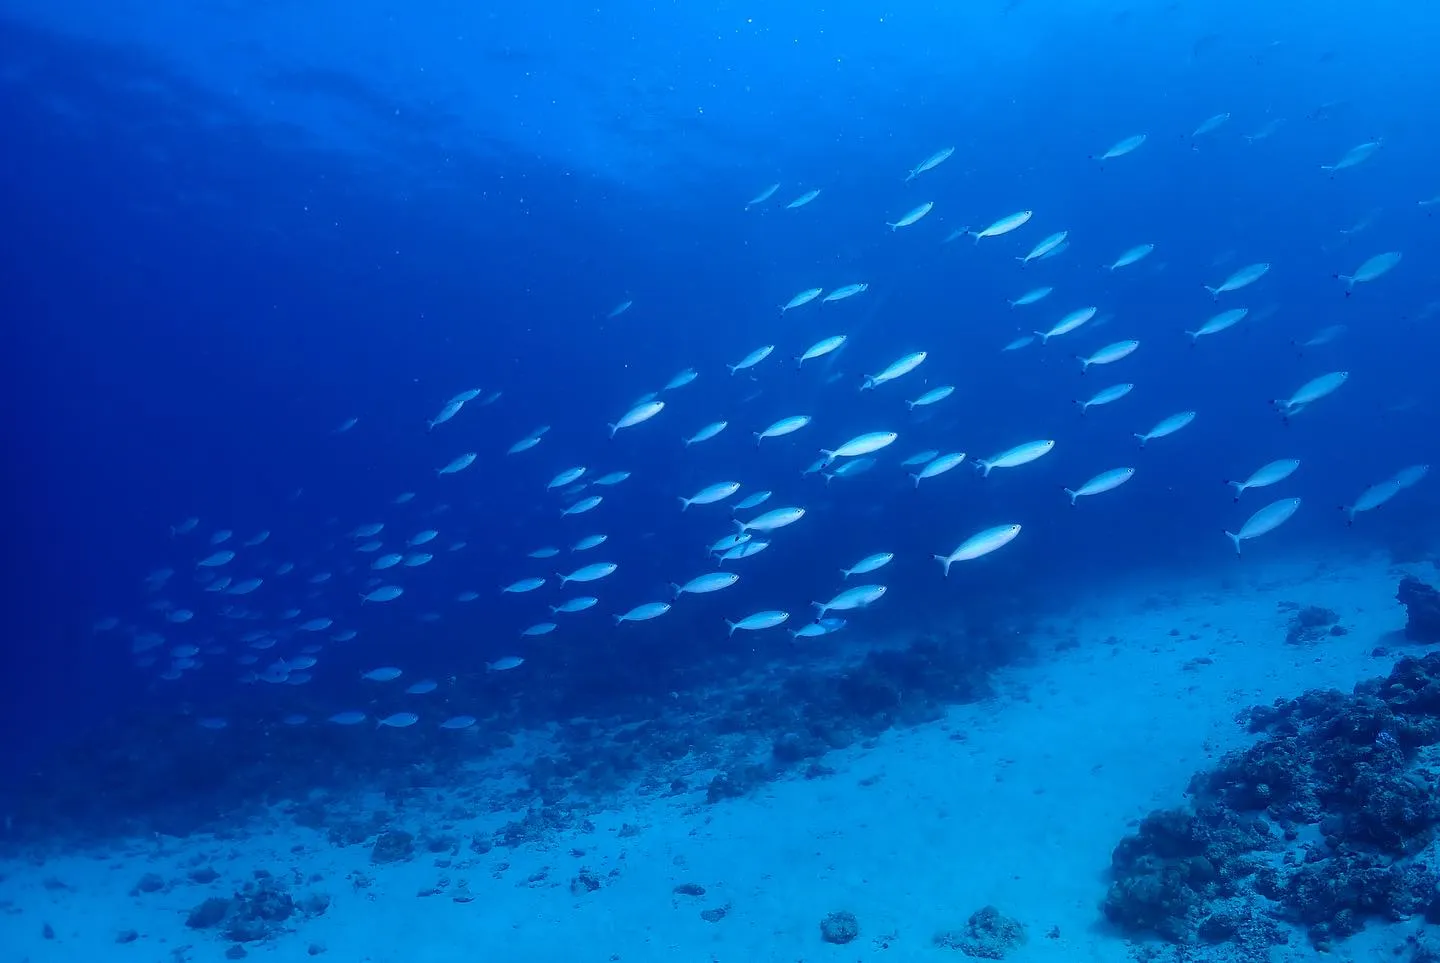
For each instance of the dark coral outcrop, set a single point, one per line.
(1180, 862)
(1422, 610)
(1320, 823)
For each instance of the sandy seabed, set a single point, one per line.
(1016, 802)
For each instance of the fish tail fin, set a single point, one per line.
(554, 609)
(618, 618)
(732, 626)
(1073, 495)
(799, 363)
(362, 598)
(1194, 336)
(1349, 281)
(1044, 338)
(1214, 292)
(828, 475)
(911, 404)
(1143, 439)
(892, 226)
(975, 235)
(944, 561)
(1239, 488)
(613, 429)
(677, 591)
(829, 455)
(739, 525)
(916, 476)
(684, 502)
(1084, 364)
(820, 609)
(1236, 539)
(844, 574)
(869, 383)
(758, 438)
(732, 369)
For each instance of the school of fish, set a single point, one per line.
(224, 615)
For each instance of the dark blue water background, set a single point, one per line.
(229, 229)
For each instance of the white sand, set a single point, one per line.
(1017, 802)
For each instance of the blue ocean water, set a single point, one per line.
(233, 227)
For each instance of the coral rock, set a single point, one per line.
(584, 882)
(393, 847)
(1422, 608)
(1312, 624)
(988, 935)
(839, 927)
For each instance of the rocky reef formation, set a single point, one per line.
(1422, 610)
(1323, 823)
